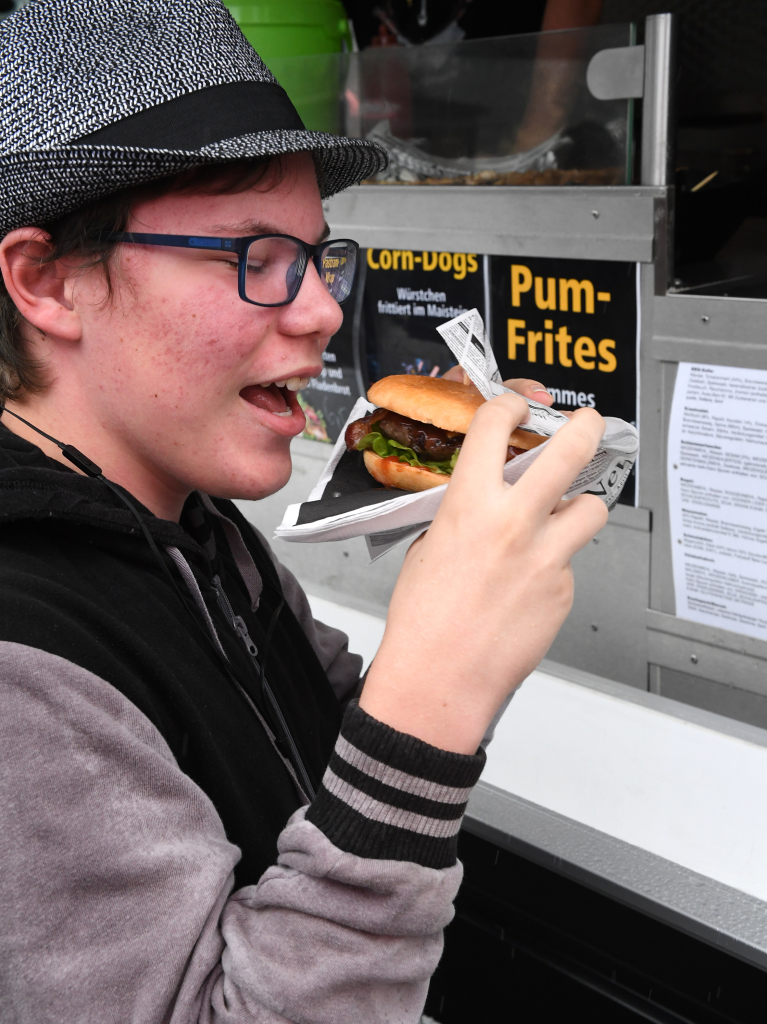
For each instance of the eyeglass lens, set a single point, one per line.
(276, 268)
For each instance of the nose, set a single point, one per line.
(314, 310)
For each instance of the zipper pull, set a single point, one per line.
(239, 624)
(235, 621)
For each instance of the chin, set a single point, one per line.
(254, 479)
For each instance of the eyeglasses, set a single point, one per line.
(270, 267)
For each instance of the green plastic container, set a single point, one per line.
(285, 31)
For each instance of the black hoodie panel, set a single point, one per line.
(77, 579)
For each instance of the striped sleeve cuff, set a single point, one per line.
(390, 796)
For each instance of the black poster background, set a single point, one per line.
(403, 307)
(328, 400)
(607, 379)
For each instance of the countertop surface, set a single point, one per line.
(654, 802)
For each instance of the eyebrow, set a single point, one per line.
(245, 228)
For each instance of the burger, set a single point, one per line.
(412, 440)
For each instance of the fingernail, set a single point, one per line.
(536, 390)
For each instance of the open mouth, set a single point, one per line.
(278, 398)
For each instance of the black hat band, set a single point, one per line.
(203, 117)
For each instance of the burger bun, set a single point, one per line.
(392, 473)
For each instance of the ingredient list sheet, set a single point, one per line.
(717, 483)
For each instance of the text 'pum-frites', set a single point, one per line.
(563, 295)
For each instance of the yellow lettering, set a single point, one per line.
(395, 259)
(385, 259)
(459, 265)
(521, 281)
(548, 342)
(563, 340)
(407, 260)
(471, 260)
(550, 302)
(533, 337)
(606, 346)
(445, 261)
(577, 289)
(514, 338)
(603, 296)
(371, 262)
(426, 264)
(584, 351)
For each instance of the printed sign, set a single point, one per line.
(574, 326)
(407, 295)
(717, 486)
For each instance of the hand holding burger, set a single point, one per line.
(495, 568)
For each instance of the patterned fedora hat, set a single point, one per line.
(99, 95)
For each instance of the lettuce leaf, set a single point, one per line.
(385, 446)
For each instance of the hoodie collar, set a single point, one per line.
(34, 486)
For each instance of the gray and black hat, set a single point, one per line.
(99, 95)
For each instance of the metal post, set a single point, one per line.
(657, 108)
(658, 136)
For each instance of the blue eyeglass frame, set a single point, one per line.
(240, 247)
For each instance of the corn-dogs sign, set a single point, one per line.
(407, 294)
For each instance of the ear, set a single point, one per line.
(41, 292)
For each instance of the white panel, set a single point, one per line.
(675, 788)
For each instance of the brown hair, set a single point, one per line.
(79, 234)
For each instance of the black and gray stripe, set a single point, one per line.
(391, 796)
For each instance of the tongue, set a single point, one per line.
(269, 398)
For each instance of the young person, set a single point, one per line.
(198, 821)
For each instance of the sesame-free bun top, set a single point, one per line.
(444, 403)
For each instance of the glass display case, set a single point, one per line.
(514, 110)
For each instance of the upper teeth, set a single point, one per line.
(293, 383)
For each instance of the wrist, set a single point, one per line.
(434, 710)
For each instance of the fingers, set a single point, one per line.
(578, 521)
(521, 385)
(458, 374)
(566, 454)
(530, 389)
(483, 453)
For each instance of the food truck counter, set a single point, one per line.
(614, 852)
(620, 784)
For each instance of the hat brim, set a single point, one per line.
(40, 185)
